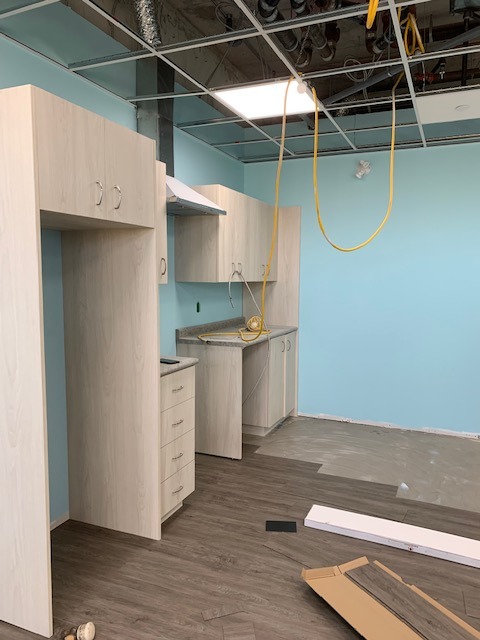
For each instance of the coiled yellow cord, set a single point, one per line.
(391, 178)
(411, 37)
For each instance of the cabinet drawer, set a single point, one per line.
(177, 454)
(177, 420)
(177, 387)
(176, 488)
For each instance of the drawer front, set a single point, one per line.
(177, 454)
(177, 421)
(176, 488)
(177, 387)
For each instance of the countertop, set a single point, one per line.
(189, 335)
(183, 363)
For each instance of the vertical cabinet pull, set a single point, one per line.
(263, 269)
(100, 194)
(240, 267)
(163, 266)
(119, 201)
(289, 345)
(283, 346)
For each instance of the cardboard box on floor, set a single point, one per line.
(369, 617)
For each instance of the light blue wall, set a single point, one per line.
(389, 333)
(196, 163)
(18, 67)
(55, 367)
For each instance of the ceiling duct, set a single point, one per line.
(147, 22)
(301, 52)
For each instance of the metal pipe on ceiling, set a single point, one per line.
(398, 68)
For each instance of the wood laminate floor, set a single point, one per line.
(216, 555)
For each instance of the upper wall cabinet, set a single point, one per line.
(89, 166)
(211, 248)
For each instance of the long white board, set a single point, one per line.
(396, 534)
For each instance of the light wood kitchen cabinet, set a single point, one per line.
(274, 397)
(71, 157)
(211, 248)
(55, 173)
(130, 176)
(177, 452)
(161, 221)
(91, 167)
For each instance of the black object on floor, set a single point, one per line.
(281, 525)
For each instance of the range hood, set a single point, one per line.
(184, 201)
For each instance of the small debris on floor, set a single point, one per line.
(281, 525)
(244, 631)
(220, 612)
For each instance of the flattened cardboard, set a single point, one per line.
(365, 614)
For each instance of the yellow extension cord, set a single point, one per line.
(391, 178)
(372, 12)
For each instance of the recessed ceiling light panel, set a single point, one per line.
(266, 100)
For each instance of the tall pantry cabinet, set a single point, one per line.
(65, 168)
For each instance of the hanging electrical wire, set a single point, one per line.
(411, 35)
(372, 13)
(391, 178)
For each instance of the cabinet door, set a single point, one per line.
(161, 222)
(71, 160)
(233, 235)
(130, 176)
(290, 372)
(276, 380)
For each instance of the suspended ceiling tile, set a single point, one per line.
(449, 107)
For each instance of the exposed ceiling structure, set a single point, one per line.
(213, 44)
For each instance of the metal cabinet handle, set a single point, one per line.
(177, 389)
(177, 490)
(180, 455)
(177, 424)
(240, 267)
(283, 346)
(119, 201)
(163, 269)
(289, 345)
(263, 269)
(100, 195)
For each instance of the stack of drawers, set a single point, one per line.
(177, 439)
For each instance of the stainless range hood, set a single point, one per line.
(184, 201)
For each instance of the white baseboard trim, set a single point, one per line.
(61, 520)
(395, 534)
(388, 425)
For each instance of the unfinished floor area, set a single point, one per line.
(216, 553)
(422, 466)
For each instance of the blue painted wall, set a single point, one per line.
(389, 333)
(196, 163)
(55, 367)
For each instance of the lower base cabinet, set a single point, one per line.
(177, 439)
(273, 398)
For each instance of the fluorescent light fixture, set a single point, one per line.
(267, 100)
